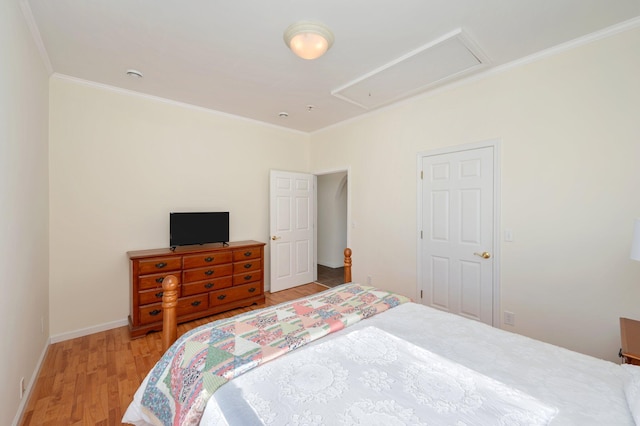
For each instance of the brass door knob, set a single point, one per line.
(275, 238)
(484, 254)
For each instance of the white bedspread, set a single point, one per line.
(370, 377)
(524, 379)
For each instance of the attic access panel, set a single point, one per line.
(451, 56)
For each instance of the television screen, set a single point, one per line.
(198, 228)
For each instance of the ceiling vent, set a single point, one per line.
(447, 58)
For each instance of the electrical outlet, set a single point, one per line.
(509, 318)
(22, 389)
(368, 279)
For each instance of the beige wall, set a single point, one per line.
(570, 131)
(24, 208)
(120, 163)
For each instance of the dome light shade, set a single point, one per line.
(308, 40)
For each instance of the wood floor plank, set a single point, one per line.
(91, 380)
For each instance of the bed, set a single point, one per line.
(357, 355)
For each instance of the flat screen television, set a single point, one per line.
(198, 228)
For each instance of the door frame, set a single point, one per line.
(346, 169)
(496, 145)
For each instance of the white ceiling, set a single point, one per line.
(229, 55)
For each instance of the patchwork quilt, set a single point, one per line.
(205, 358)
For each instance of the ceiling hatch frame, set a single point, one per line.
(442, 60)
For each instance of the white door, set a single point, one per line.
(457, 268)
(292, 212)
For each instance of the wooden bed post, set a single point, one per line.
(347, 265)
(169, 304)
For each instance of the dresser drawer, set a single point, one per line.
(188, 305)
(206, 286)
(150, 296)
(247, 277)
(247, 253)
(234, 293)
(154, 281)
(150, 313)
(201, 274)
(248, 266)
(149, 266)
(206, 259)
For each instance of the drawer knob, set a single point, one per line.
(252, 289)
(247, 277)
(222, 296)
(208, 259)
(159, 280)
(208, 285)
(155, 312)
(209, 272)
(196, 303)
(247, 253)
(159, 294)
(160, 265)
(247, 265)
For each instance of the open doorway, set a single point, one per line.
(332, 213)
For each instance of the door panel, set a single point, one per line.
(470, 216)
(457, 223)
(440, 282)
(440, 215)
(471, 281)
(282, 253)
(303, 252)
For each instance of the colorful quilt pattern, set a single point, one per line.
(205, 358)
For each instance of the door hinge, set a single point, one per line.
(421, 236)
(420, 294)
(421, 174)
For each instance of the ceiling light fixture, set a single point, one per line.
(308, 40)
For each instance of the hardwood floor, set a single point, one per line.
(91, 380)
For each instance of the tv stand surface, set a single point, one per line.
(212, 278)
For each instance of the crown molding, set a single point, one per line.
(128, 92)
(35, 33)
(572, 44)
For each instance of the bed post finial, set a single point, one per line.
(347, 265)
(169, 304)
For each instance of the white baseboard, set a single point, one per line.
(86, 331)
(29, 388)
(331, 265)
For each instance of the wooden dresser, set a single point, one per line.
(212, 278)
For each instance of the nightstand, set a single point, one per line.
(630, 337)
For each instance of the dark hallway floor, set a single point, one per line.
(330, 277)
